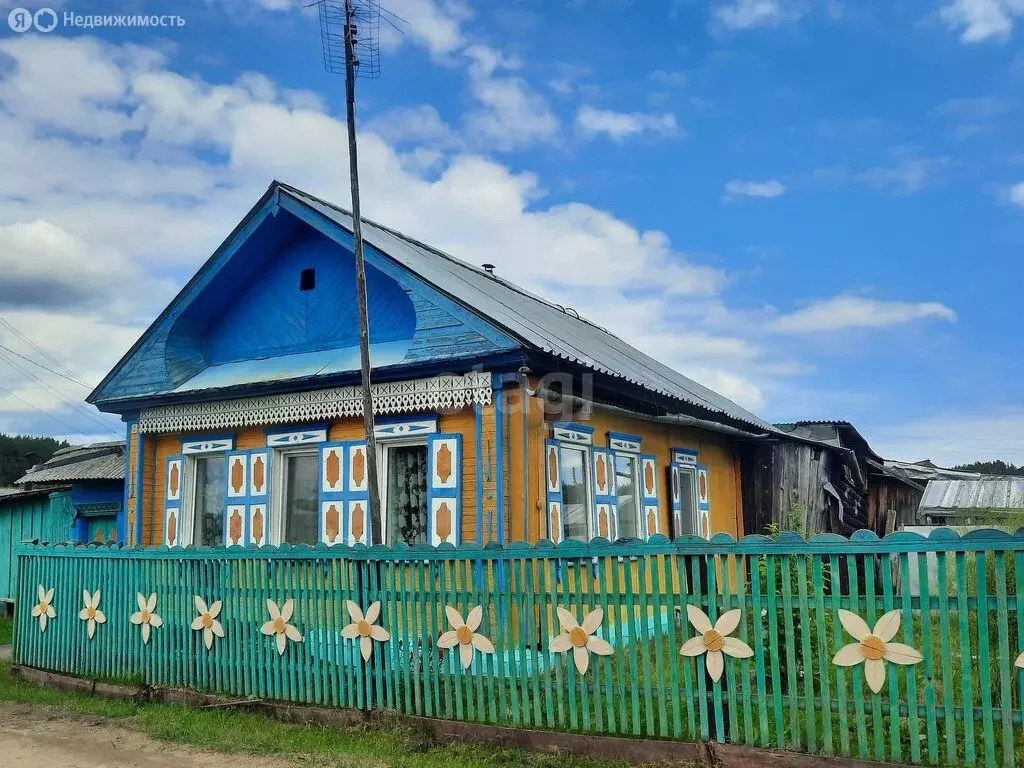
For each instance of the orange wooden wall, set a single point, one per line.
(524, 489)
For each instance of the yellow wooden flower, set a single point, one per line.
(207, 620)
(714, 641)
(365, 628)
(91, 613)
(43, 610)
(873, 647)
(278, 625)
(146, 616)
(464, 635)
(581, 638)
(1019, 663)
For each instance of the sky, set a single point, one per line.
(814, 207)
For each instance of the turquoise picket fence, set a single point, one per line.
(955, 698)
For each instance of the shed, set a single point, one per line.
(94, 475)
(978, 500)
(39, 513)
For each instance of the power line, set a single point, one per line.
(39, 349)
(45, 413)
(45, 368)
(60, 396)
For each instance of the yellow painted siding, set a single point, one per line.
(132, 505)
(524, 469)
(714, 451)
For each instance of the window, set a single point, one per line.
(628, 490)
(404, 490)
(688, 501)
(209, 486)
(576, 504)
(298, 475)
(307, 279)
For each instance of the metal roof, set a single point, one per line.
(536, 322)
(986, 493)
(97, 461)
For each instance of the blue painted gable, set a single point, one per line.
(277, 303)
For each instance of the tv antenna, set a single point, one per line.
(350, 39)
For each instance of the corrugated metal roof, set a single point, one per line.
(98, 461)
(987, 493)
(14, 495)
(537, 322)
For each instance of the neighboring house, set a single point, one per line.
(824, 479)
(26, 515)
(500, 416)
(93, 476)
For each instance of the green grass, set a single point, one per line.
(6, 631)
(239, 732)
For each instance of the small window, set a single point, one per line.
(405, 492)
(210, 487)
(307, 279)
(300, 498)
(575, 493)
(628, 490)
(688, 501)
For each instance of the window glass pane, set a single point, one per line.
(688, 498)
(629, 507)
(407, 494)
(575, 504)
(211, 486)
(300, 501)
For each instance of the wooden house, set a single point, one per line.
(499, 416)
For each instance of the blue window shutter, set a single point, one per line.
(357, 493)
(605, 500)
(332, 498)
(236, 498)
(553, 476)
(704, 501)
(649, 494)
(444, 489)
(258, 518)
(675, 481)
(174, 480)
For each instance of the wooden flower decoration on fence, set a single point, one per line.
(464, 634)
(714, 640)
(91, 613)
(146, 616)
(365, 628)
(278, 625)
(873, 647)
(43, 610)
(581, 638)
(1019, 663)
(207, 620)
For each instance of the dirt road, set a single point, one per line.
(42, 737)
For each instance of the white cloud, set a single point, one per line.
(619, 126)
(669, 77)
(982, 20)
(434, 24)
(1017, 194)
(157, 185)
(737, 189)
(747, 14)
(908, 176)
(843, 312)
(511, 113)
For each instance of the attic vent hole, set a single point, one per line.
(307, 280)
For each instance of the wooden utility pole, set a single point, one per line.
(364, 321)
